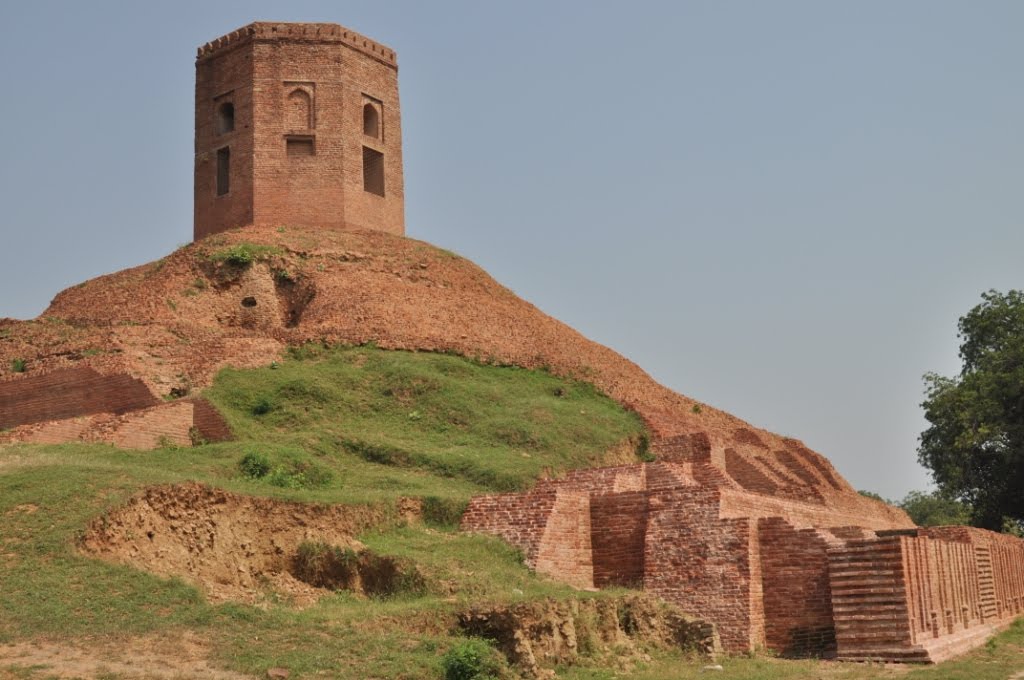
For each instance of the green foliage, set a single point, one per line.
(243, 254)
(291, 471)
(472, 659)
(18, 365)
(974, 445)
(254, 466)
(443, 512)
(873, 495)
(934, 509)
(294, 473)
(262, 406)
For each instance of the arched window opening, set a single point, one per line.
(371, 121)
(299, 111)
(225, 118)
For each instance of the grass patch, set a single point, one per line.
(436, 415)
(243, 254)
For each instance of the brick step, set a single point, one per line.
(875, 607)
(867, 593)
(867, 585)
(878, 637)
(866, 552)
(854, 565)
(866, 557)
(889, 623)
(867, 570)
(853, 584)
(862, 545)
(865, 565)
(885, 654)
(853, 612)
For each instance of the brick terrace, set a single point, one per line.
(800, 577)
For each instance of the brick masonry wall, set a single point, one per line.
(67, 393)
(797, 595)
(618, 523)
(176, 423)
(935, 592)
(869, 601)
(155, 427)
(565, 549)
(518, 518)
(307, 83)
(802, 578)
(705, 564)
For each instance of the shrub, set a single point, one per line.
(444, 512)
(243, 254)
(297, 474)
(254, 466)
(472, 659)
(18, 365)
(262, 407)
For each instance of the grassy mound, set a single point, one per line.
(351, 425)
(362, 422)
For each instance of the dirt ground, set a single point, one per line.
(167, 657)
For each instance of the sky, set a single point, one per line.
(780, 209)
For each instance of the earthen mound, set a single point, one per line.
(232, 546)
(239, 298)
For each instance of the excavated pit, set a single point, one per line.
(237, 547)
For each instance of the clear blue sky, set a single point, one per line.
(779, 208)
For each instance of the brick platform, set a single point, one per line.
(832, 574)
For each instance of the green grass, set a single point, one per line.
(351, 425)
(243, 254)
(465, 426)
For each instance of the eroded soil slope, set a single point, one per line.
(232, 546)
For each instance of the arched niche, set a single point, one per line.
(298, 113)
(371, 121)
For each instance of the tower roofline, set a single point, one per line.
(267, 31)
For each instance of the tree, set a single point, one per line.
(934, 509)
(974, 446)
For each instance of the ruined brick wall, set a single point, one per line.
(67, 393)
(550, 526)
(315, 109)
(924, 594)
(618, 524)
(152, 428)
(178, 423)
(869, 600)
(209, 423)
(805, 514)
(705, 564)
(797, 595)
(606, 479)
(565, 550)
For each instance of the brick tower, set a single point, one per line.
(297, 124)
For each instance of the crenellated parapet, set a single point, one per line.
(296, 32)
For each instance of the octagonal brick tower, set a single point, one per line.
(297, 124)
